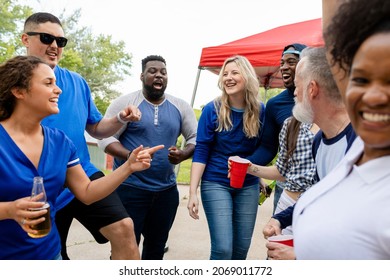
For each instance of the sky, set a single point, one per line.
(178, 30)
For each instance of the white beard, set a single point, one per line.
(302, 111)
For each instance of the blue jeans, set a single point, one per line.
(231, 216)
(278, 191)
(58, 257)
(153, 214)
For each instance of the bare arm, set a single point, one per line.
(116, 149)
(109, 126)
(175, 155)
(266, 172)
(91, 191)
(197, 170)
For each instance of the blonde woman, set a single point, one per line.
(229, 125)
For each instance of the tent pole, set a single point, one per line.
(195, 88)
(177, 166)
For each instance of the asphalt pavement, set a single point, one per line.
(188, 240)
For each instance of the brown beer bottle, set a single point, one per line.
(44, 227)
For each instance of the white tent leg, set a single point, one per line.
(177, 167)
(195, 88)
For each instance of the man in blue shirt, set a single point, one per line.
(151, 198)
(106, 219)
(277, 110)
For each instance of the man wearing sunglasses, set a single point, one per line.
(48, 39)
(107, 219)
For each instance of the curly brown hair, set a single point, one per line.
(355, 21)
(15, 73)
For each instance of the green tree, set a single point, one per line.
(266, 95)
(98, 58)
(12, 17)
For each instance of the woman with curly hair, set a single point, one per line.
(334, 219)
(28, 94)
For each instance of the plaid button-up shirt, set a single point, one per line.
(299, 170)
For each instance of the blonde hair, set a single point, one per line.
(251, 119)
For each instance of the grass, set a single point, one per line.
(183, 177)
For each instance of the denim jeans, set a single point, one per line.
(153, 214)
(284, 202)
(278, 191)
(58, 257)
(231, 216)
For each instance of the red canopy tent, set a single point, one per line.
(263, 50)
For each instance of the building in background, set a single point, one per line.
(99, 158)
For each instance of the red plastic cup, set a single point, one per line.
(238, 170)
(283, 239)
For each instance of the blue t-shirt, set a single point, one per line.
(214, 148)
(277, 110)
(16, 180)
(76, 111)
(160, 124)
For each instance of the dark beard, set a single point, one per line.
(152, 94)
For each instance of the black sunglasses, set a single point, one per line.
(47, 39)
